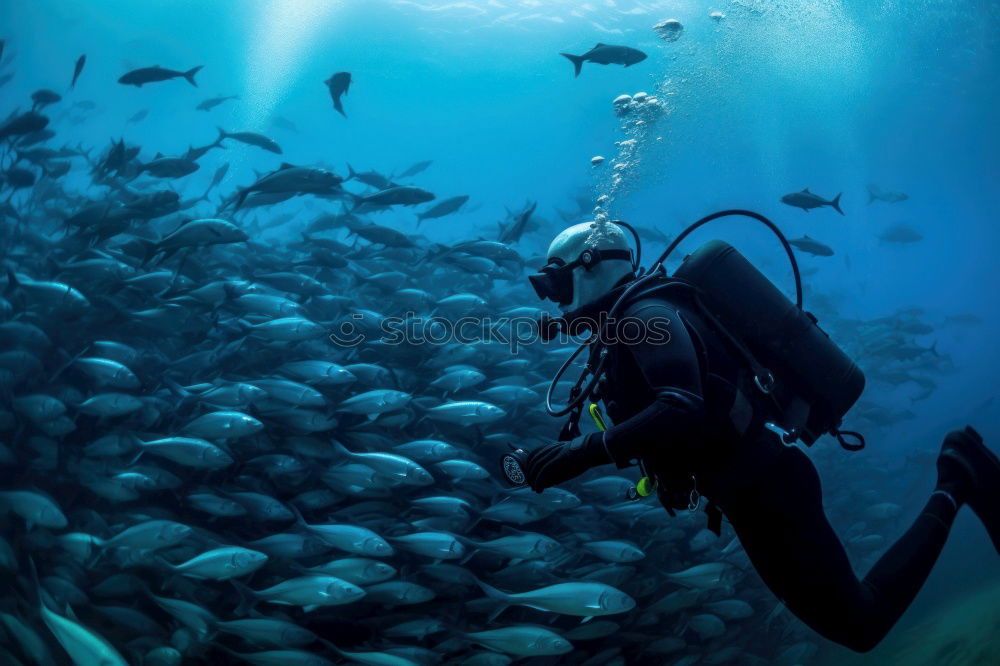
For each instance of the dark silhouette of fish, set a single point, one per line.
(519, 224)
(32, 121)
(370, 178)
(812, 246)
(249, 138)
(415, 169)
(606, 54)
(80, 62)
(446, 207)
(339, 84)
(213, 102)
(44, 97)
(138, 77)
(806, 200)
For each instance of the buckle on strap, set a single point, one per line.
(764, 381)
(858, 437)
(787, 437)
(694, 499)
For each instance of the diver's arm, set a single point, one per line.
(669, 364)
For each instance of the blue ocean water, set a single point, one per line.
(762, 100)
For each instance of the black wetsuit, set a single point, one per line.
(678, 410)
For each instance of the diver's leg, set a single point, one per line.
(783, 529)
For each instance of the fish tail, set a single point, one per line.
(189, 75)
(502, 600)
(341, 450)
(577, 62)
(150, 248)
(836, 204)
(241, 196)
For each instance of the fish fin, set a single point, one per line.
(587, 619)
(806, 189)
(500, 598)
(285, 165)
(248, 598)
(339, 107)
(12, 282)
(149, 248)
(836, 204)
(340, 449)
(577, 62)
(599, 45)
(189, 75)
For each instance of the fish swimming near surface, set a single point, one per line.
(339, 84)
(249, 138)
(606, 54)
(213, 102)
(80, 62)
(806, 200)
(811, 246)
(144, 75)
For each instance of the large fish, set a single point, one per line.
(144, 75)
(606, 54)
(338, 85)
(806, 200)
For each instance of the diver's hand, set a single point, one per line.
(558, 462)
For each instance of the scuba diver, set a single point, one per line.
(709, 376)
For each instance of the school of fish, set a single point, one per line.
(196, 471)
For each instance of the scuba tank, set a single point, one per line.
(812, 382)
(809, 380)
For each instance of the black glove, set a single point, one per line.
(558, 462)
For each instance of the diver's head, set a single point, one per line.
(585, 262)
